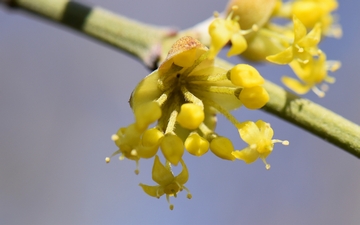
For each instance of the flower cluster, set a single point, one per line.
(175, 111)
(294, 43)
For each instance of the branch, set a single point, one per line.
(102, 25)
(128, 35)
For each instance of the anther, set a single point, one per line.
(107, 159)
(114, 137)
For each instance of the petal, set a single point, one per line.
(160, 174)
(146, 91)
(265, 129)
(249, 132)
(181, 46)
(239, 45)
(295, 85)
(312, 38)
(283, 57)
(299, 30)
(247, 154)
(183, 177)
(153, 191)
(302, 71)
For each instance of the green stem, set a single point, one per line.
(145, 42)
(141, 40)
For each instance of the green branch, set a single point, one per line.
(102, 25)
(128, 35)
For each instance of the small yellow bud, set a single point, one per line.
(172, 148)
(254, 98)
(222, 148)
(246, 76)
(196, 145)
(190, 116)
(151, 137)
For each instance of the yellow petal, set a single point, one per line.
(283, 57)
(265, 129)
(312, 38)
(153, 191)
(160, 174)
(249, 132)
(238, 45)
(247, 154)
(146, 91)
(183, 177)
(299, 29)
(295, 85)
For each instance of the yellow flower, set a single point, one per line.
(175, 109)
(224, 30)
(168, 184)
(311, 12)
(259, 138)
(311, 74)
(304, 46)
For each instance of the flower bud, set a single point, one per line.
(190, 116)
(254, 98)
(222, 148)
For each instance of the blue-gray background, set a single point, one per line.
(63, 95)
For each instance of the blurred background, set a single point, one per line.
(62, 95)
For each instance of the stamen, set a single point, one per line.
(333, 65)
(137, 170)
(253, 28)
(205, 130)
(171, 124)
(189, 195)
(207, 78)
(286, 142)
(114, 137)
(267, 165)
(223, 111)
(133, 152)
(330, 79)
(214, 89)
(162, 99)
(324, 87)
(190, 97)
(318, 92)
(171, 206)
(107, 159)
(302, 61)
(300, 49)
